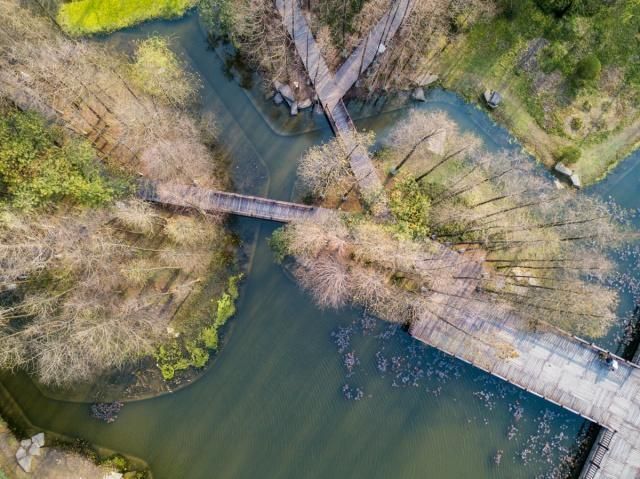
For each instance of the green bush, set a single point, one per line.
(576, 123)
(410, 206)
(554, 57)
(117, 462)
(587, 71)
(209, 336)
(157, 71)
(199, 356)
(39, 164)
(569, 155)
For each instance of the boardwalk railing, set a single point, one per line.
(598, 452)
(220, 201)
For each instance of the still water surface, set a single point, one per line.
(279, 401)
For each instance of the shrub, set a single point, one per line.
(210, 337)
(554, 57)
(569, 155)
(556, 7)
(39, 164)
(576, 123)
(156, 70)
(410, 205)
(587, 71)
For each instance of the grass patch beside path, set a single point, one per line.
(86, 17)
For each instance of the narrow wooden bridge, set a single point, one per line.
(219, 201)
(331, 89)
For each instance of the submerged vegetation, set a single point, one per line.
(82, 17)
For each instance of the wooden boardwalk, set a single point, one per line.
(220, 201)
(463, 321)
(379, 37)
(330, 92)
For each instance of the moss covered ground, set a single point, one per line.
(87, 17)
(533, 59)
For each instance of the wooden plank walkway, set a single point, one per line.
(364, 55)
(465, 323)
(220, 201)
(330, 95)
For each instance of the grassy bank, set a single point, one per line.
(534, 58)
(87, 17)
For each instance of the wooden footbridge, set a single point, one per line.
(331, 88)
(206, 200)
(458, 318)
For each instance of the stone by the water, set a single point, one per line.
(418, 94)
(34, 450)
(294, 109)
(287, 94)
(575, 181)
(304, 104)
(20, 453)
(38, 439)
(278, 99)
(114, 475)
(317, 109)
(563, 170)
(25, 463)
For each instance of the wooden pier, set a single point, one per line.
(219, 201)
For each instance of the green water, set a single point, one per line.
(279, 401)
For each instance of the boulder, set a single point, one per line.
(425, 79)
(418, 94)
(38, 439)
(294, 109)
(575, 181)
(34, 450)
(20, 453)
(113, 475)
(382, 48)
(317, 109)
(25, 443)
(278, 99)
(304, 104)
(287, 94)
(563, 170)
(25, 463)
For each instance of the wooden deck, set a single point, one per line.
(220, 201)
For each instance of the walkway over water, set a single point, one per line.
(220, 201)
(331, 89)
(463, 321)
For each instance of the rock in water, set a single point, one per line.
(317, 109)
(563, 170)
(38, 439)
(287, 94)
(278, 99)
(306, 103)
(418, 94)
(294, 108)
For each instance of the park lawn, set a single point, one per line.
(538, 106)
(87, 17)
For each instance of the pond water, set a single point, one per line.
(299, 392)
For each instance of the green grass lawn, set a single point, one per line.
(489, 56)
(86, 17)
